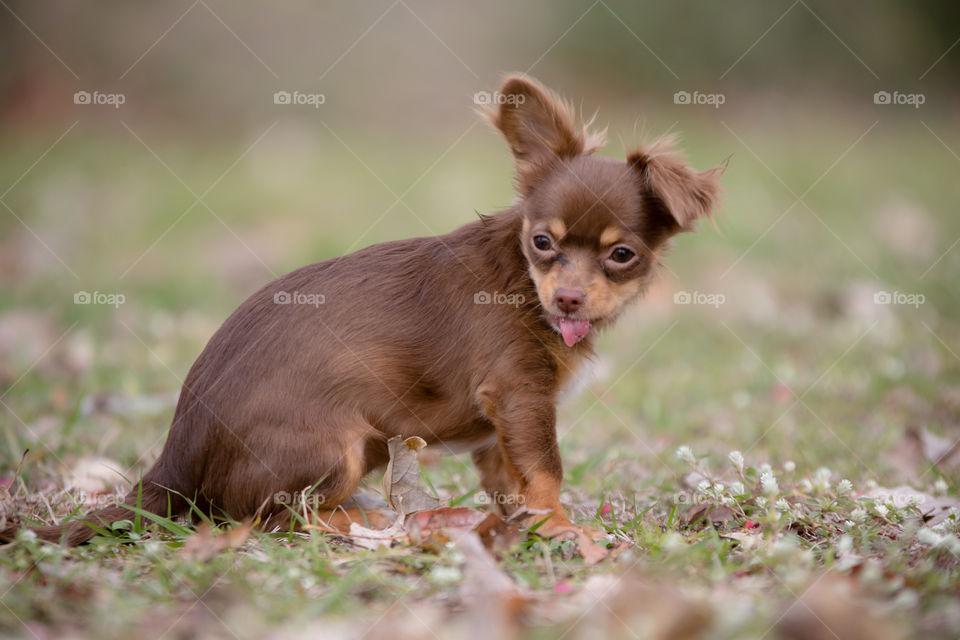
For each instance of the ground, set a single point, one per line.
(758, 435)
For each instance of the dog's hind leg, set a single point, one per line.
(500, 483)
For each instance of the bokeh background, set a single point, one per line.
(198, 188)
(832, 325)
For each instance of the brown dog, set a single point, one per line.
(462, 339)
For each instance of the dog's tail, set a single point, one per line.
(149, 496)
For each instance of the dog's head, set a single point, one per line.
(593, 227)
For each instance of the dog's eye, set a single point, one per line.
(622, 255)
(542, 242)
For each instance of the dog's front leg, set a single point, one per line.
(524, 416)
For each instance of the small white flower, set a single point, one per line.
(736, 489)
(952, 543)
(940, 486)
(858, 515)
(929, 537)
(845, 545)
(719, 488)
(736, 459)
(27, 535)
(765, 468)
(685, 454)
(741, 399)
(789, 466)
(673, 542)
(914, 501)
(882, 510)
(821, 478)
(703, 486)
(844, 487)
(849, 523)
(762, 502)
(445, 576)
(769, 483)
(805, 486)
(783, 505)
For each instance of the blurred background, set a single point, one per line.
(167, 159)
(159, 162)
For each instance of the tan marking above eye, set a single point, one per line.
(610, 235)
(557, 228)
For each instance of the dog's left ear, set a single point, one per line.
(678, 193)
(540, 127)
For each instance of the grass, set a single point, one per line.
(798, 370)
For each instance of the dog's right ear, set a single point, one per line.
(677, 194)
(540, 127)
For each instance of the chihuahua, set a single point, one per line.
(462, 339)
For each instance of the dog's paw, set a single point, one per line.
(585, 537)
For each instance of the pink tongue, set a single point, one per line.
(573, 331)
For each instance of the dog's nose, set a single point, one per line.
(568, 300)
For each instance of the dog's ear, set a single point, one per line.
(677, 194)
(540, 127)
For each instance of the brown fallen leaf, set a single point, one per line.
(618, 606)
(919, 449)
(497, 534)
(444, 518)
(432, 529)
(746, 541)
(932, 509)
(375, 538)
(704, 513)
(831, 609)
(207, 542)
(497, 603)
(401, 481)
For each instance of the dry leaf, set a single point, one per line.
(706, 512)
(919, 449)
(432, 529)
(746, 541)
(497, 604)
(374, 538)
(424, 523)
(610, 606)
(932, 509)
(95, 475)
(401, 481)
(205, 543)
(829, 609)
(498, 534)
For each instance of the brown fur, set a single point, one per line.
(288, 395)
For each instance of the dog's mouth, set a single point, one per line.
(572, 330)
